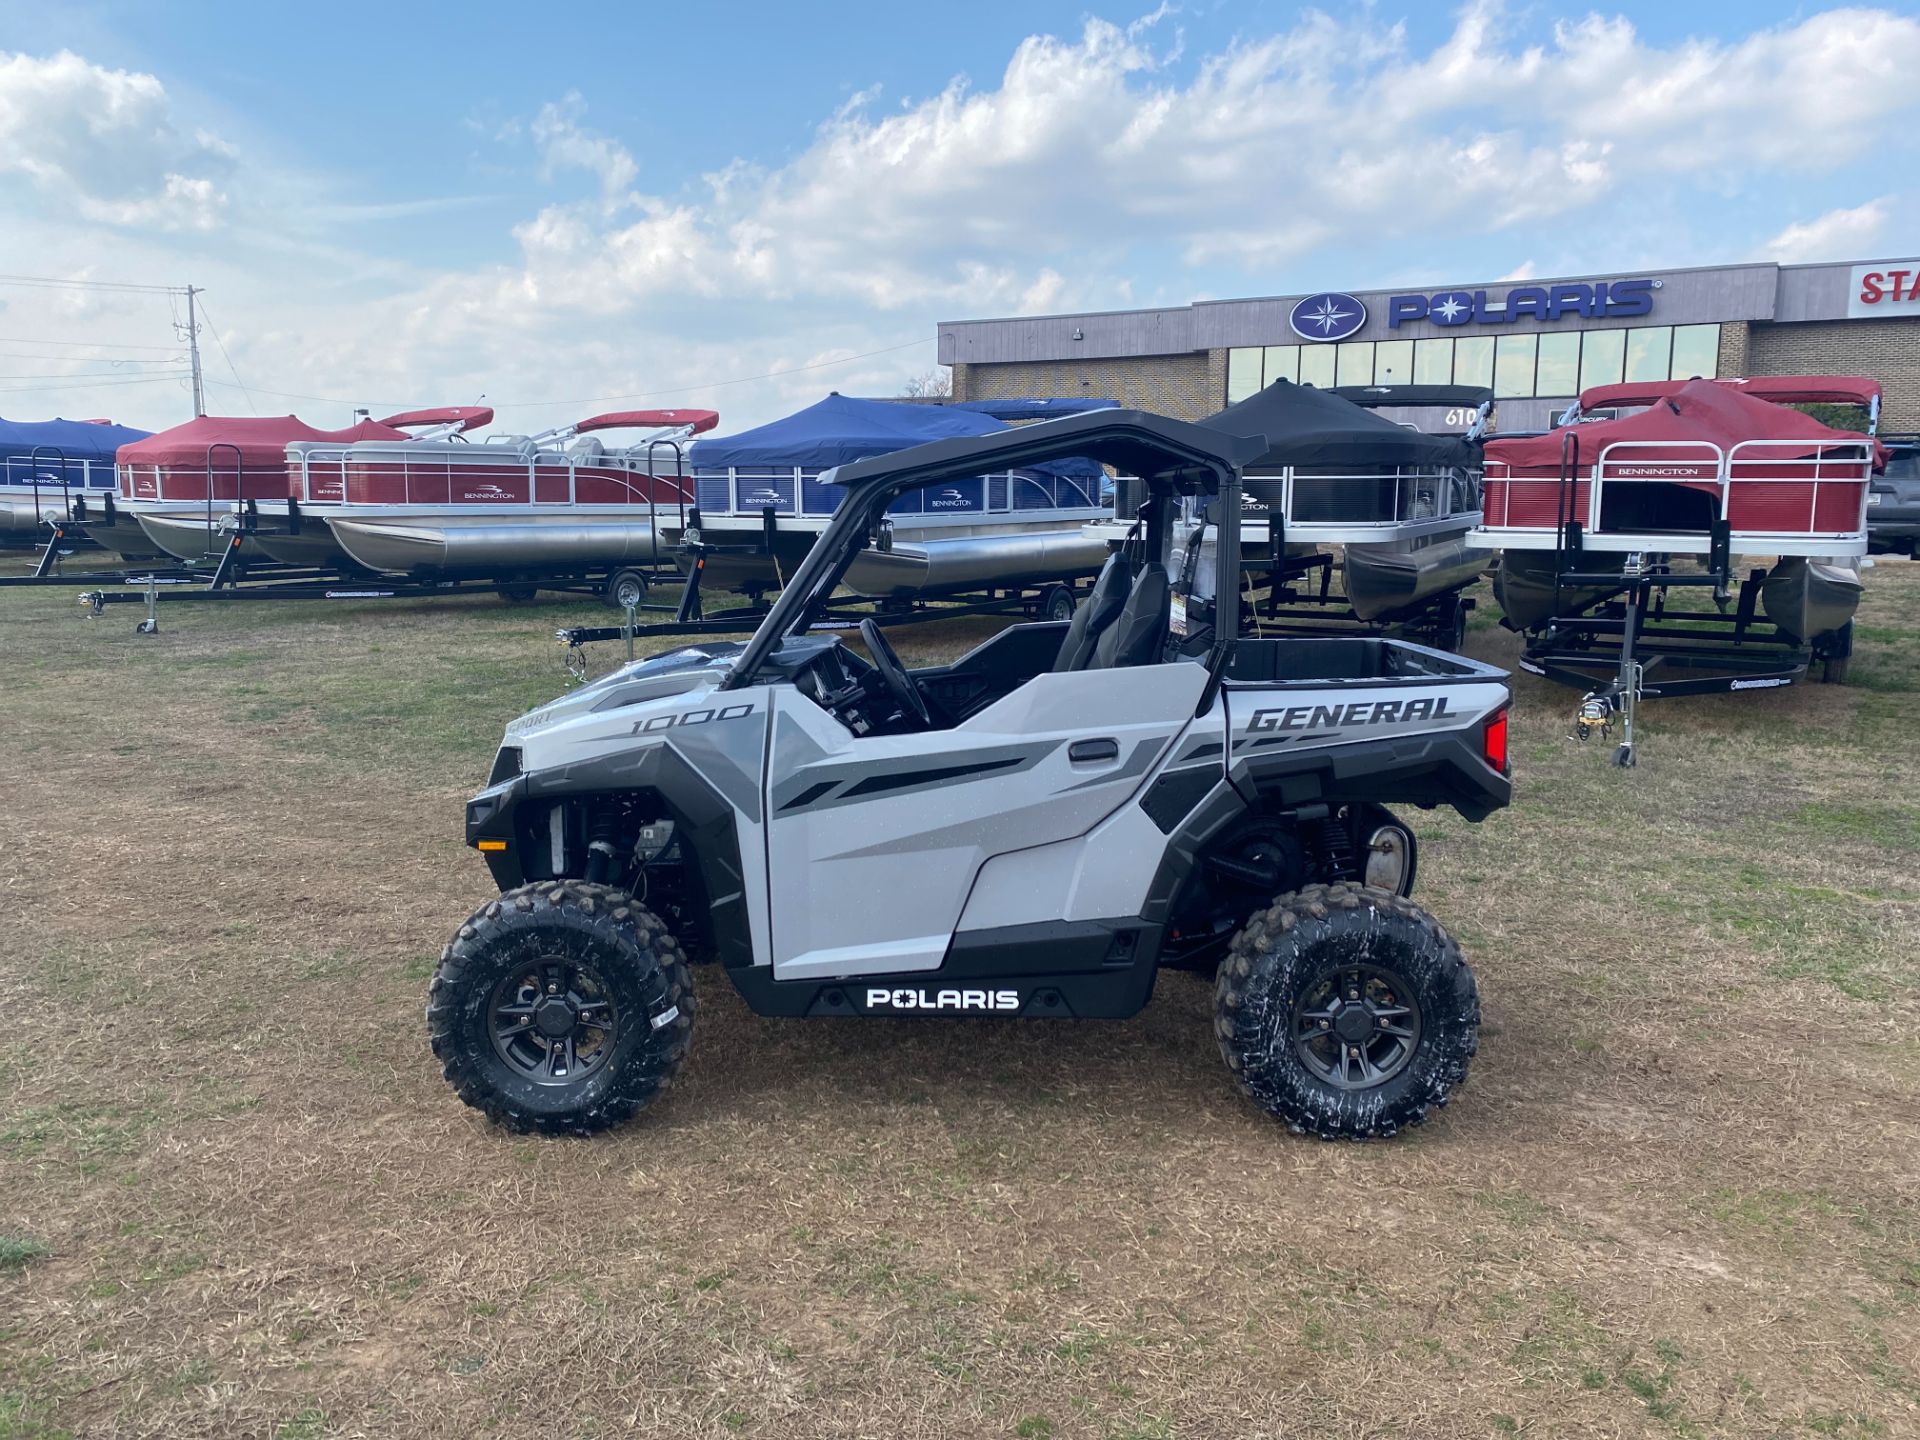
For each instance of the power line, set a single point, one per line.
(45, 282)
(54, 379)
(83, 344)
(229, 359)
(600, 399)
(93, 384)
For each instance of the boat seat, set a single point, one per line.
(1095, 614)
(1139, 636)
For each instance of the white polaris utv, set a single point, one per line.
(1034, 829)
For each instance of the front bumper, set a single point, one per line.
(1893, 518)
(490, 830)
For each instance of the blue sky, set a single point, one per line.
(549, 205)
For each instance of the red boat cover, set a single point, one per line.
(261, 440)
(469, 417)
(1779, 389)
(701, 420)
(1697, 410)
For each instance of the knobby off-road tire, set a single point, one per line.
(1311, 993)
(561, 1007)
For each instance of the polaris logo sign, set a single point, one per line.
(1328, 316)
(1609, 299)
(991, 1000)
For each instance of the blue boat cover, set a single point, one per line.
(75, 439)
(837, 430)
(840, 429)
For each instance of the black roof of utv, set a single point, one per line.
(1134, 442)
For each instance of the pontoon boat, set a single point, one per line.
(55, 471)
(762, 502)
(1599, 521)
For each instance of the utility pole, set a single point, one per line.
(193, 351)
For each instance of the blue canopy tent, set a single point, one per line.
(777, 465)
(76, 453)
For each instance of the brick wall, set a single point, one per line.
(1188, 387)
(1888, 350)
(1734, 346)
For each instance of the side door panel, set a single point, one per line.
(873, 845)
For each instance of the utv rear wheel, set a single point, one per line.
(1347, 1012)
(562, 1007)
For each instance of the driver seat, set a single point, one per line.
(1095, 614)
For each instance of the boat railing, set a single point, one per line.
(795, 490)
(61, 472)
(1784, 490)
(432, 474)
(1356, 503)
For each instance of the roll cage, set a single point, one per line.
(1169, 457)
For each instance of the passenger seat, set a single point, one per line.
(1095, 614)
(1139, 636)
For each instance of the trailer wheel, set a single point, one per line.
(1346, 1012)
(626, 590)
(561, 1007)
(518, 592)
(1059, 604)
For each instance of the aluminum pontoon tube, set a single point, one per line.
(187, 536)
(974, 562)
(497, 544)
(1523, 584)
(1383, 580)
(1810, 598)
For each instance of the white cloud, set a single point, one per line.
(106, 143)
(565, 144)
(1097, 169)
(1836, 235)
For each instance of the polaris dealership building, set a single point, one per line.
(1538, 343)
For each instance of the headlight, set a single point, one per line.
(1873, 497)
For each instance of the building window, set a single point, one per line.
(1558, 373)
(1356, 363)
(1316, 365)
(1393, 362)
(1432, 362)
(1473, 360)
(1513, 366)
(1602, 354)
(1283, 363)
(1243, 373)
(1696, 351)
(1650, 353)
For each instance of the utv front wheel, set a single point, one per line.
(1346, 1011)
(561, 1007)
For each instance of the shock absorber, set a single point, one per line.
(1333, 849)
(601, 825)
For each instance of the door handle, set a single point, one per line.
(1087, 752)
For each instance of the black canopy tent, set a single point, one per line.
(1318, 430)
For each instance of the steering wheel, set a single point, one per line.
(899, 683)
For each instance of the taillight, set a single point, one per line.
(1493, 741)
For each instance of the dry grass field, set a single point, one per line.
(1680, 1196)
